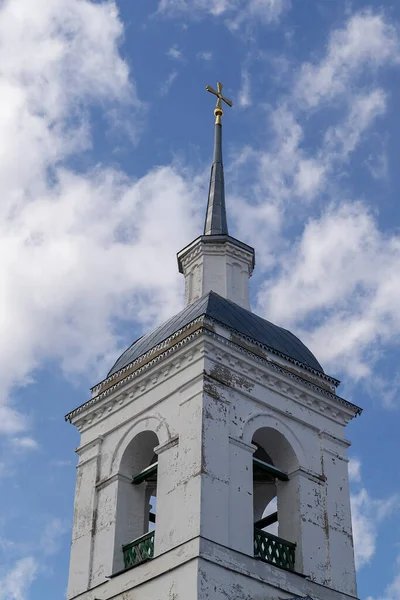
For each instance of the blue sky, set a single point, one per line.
(105, 148)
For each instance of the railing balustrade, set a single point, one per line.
(139, 550)
(274, 550)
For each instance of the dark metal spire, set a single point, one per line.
(216, 223)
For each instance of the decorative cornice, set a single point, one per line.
(119, 375)
(260, 375)
(132, 375)
(257, 375)
(228, 248)
(318, 374)
(143, 357)
(216, 242)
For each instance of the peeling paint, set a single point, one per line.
(226, 376)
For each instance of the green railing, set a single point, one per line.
(274, 550)
(139, 550)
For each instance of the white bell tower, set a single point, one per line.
(213, 457)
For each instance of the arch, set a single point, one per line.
(265, 420)
(149, 423)
(273, 437)
(136, 500)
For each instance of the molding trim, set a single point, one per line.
(170, 444)
(352, 408)
(241, 444)
(343, 407)
(117, 477)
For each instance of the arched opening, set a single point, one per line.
(136, 502)
(273, 506)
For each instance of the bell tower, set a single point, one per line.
(213, 457)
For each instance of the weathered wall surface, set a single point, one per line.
(224, 268)
(205, 402)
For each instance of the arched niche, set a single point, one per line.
(149, 423)
(257, 422)
(135, 508)
(275, 461)
(273, 451)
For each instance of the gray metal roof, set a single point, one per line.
(216, 223)
(232, 316)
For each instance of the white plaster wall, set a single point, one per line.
(307, 504)
(220, 268)
(205, 402)
(203, 570)
(151, 404)
(223, 576)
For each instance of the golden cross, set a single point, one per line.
(218, 112)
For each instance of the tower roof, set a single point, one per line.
(232, 316)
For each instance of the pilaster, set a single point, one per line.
(85, 514)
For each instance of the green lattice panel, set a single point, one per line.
(139, 550)
(274, 550)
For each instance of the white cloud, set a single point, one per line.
(11, 421)
(16, 579)
(175, 53)
(235, 12)
(50, 541)
(355, 470)
(244, 98)
(366, 40)
(392, 591)
(343, 139)
(77, 249)
(24, 443)
(342, 274)
(166, 86)
(206, 55)
(367, 515)
(341, 270)
(15, 584)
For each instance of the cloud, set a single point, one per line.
(343, 274)
(367, 515)
(24, 443)
(165, 88)
(234, 12)
(50, 541)
(244, 99)
(175, 53)
(206, 55)
(366, 40)
(15, 584)
(355, 470)
(341, 268)
(11, 421)
(392, 591)
(341, 140)
(19, 576)
(79, 249)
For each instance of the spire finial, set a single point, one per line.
(218, 112)
(216, 223)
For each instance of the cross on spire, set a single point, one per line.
(216, 223)
(218, 112)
